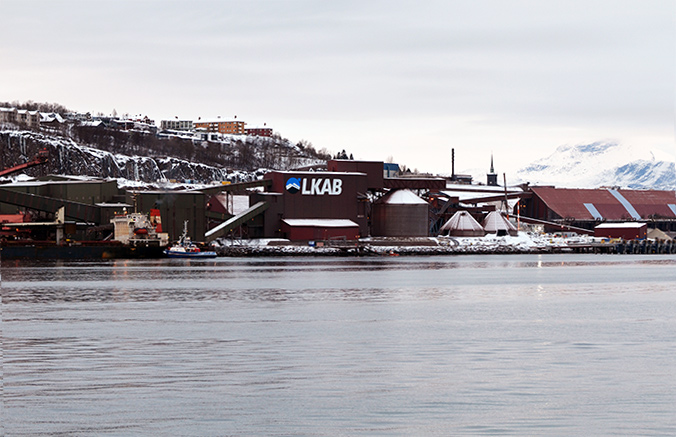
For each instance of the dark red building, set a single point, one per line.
(320, 229)
(373, 170)
(314, 195)
(258, 131)
(625, 231)
(586, 208)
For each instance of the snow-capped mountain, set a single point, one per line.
(602, 164)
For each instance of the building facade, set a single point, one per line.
(319, 198)
(186, 125)
(258, 131)
(29, 118)
(8, 115)
(20, 116)
(232, 127)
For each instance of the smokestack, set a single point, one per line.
(452, 164)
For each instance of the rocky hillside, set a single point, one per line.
(142, 157)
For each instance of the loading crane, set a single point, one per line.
(41, 158)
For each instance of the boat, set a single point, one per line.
(185, 248)
(134, 236)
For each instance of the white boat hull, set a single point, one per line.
(182, 254)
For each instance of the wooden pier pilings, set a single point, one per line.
(643, 247)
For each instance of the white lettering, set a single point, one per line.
(337, 187)
(326, 188)
(321, 186)
(315, 186)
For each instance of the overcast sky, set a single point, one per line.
(403, 79)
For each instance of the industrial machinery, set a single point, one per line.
(41, 158)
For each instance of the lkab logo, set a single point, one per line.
(293, 185)
(315, 186)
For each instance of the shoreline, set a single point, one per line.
(430, 246)
(368, 247)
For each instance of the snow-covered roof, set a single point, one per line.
(321, 223)
(72, 180)
(318, 173)
(477, 188)
(218, 120)
(621, 225)
(27, 111)
(113, 205)
(48, 117)
(92, 123)
(464, 192)
(401, 197)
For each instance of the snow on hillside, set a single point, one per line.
(73, 158)
(602, 164)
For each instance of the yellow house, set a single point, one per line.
(233, 127)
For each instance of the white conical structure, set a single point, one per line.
(462, 224)
(496, 223)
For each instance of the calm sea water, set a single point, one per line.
(453, 345)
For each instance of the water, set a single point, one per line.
(453, 345)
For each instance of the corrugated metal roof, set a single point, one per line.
(628, 206)
(592, 204)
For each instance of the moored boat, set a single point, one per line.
(185, 248)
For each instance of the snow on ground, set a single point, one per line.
(524, 242)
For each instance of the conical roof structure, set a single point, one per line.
(496, 223)
(462, 224)
(658, 234)
(401, 197)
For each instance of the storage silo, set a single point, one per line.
(400, 213)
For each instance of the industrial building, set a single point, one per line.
(353, 199)
(356, 193)
(91, 204)
(313, 196)
(625, 231)
(587, 208)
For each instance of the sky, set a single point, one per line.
(384, 80)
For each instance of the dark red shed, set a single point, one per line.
(319, 229)
(626, 231)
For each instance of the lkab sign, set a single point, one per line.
(314, 186)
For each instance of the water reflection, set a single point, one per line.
(294, 279)
(406, 346)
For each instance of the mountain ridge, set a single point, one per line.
(602, 163)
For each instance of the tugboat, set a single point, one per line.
(185, 248)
